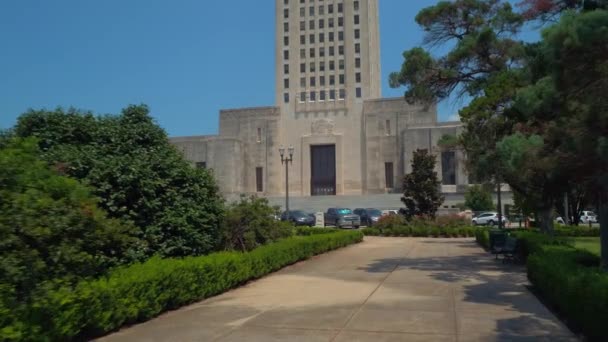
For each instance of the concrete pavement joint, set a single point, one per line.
(413, 246)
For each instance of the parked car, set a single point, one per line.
(588, 217)
(390, 212)
(342, 217)
(299, 218)
(488, 218)
(369, 216)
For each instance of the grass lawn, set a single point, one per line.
(592, 244)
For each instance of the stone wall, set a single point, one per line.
(258, 130)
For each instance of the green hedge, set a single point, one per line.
(417, 231)
(570, 280)
(576, 231)
(142, 291)
(306, 231)
(531, 239)
(482, 236)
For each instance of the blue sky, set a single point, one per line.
(186, 59)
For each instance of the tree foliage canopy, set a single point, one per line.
(51, 226)
(137, 174)
(481, 35)
(479, 198)
(421, 188)
(538, 119)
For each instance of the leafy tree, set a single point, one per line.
(549, 10)
(523, 204)
(250, 222)
(421, 188)
(137, 174)
(51, 226)
(479, 63)
(576, 56)
(486, 62)
(448, 142)
(478, 198)
(481, 35)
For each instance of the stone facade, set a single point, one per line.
(327, 93)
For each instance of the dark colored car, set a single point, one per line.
(342, 217)
(369, 216)
(299, 218)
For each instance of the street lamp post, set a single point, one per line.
(286, 160)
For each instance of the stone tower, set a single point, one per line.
(327, 64)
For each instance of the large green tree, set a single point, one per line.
(138, 175)
(575, 53)
(51, 226)
(421, 188)
(479, 37)
(486, 62)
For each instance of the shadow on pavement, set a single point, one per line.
(493, 297)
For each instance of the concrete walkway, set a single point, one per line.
(384, 289)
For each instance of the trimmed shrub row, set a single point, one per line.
(306, 231)
(417, 231)
(482, 236)
(142, 291)
(571, 281)
(531, 239)
(577, 231)
(567, 278)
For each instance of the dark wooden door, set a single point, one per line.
(323, 170)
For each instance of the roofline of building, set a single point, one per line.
(194, 137)
(450, 124)
(245, 109)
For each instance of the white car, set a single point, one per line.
(588, 217)
(489, 218)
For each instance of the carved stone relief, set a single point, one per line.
(322, 126)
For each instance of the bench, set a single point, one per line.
(508, 250)
(497, 241)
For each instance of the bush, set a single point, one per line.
(571, 281)
(577, 231)
(390, 222)
(306, 231)
(567, 278)
(451, 221)
(250, 223)
(435, 232)
(141, 291)
(137, 174)
(51, 227)
(371, 232)
(533, 242)
(482, 236)
(420, 231)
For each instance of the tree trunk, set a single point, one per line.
(603, 213)
(546, 220)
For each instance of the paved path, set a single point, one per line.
(384, 289)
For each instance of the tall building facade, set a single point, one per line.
(348, 140)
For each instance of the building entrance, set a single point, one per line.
(323, 170)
